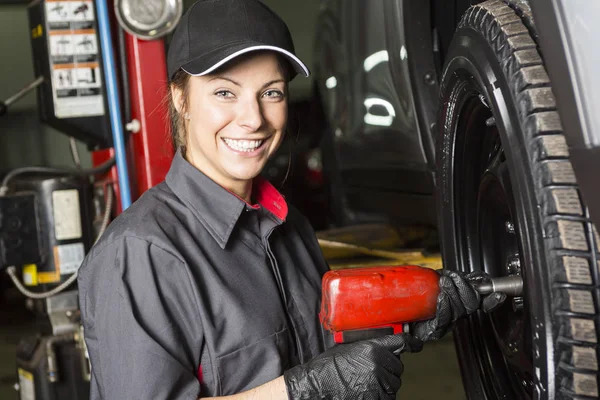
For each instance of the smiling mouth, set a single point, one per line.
(246, 146)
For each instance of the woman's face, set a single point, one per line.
(237, 119)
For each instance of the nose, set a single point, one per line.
(250, 115)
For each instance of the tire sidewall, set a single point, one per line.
(472, 59)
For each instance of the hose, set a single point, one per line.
(12, 270)
(102, 168)
(107, 208)
(52, 364)
(114, 103)
(75, 152)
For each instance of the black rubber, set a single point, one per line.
(493, 53)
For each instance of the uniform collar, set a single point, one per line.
(217, 208)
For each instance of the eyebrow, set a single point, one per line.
(240, 85)
(272, 82)
(225, 79)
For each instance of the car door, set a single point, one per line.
(376, 132)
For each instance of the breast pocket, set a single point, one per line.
(255, 364)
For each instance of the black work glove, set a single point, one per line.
(366, 370)
(457, 299)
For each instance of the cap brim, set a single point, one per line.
(210, 62)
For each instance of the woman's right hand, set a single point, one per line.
(369, 369)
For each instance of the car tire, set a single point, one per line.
(509, 204)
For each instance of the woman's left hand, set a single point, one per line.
(457, 299)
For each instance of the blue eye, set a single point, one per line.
(224, 93)
(273, 94)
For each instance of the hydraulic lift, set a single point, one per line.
(111, 98)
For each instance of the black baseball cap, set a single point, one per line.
(214, 32)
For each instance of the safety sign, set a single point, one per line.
(74, 58)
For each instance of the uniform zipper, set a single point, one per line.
(282, 293)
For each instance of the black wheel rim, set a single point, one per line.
(488, 239)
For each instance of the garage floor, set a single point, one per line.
(432, 374)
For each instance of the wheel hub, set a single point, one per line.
(505, 334)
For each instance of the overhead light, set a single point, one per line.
(148, 19)
(379, 120)
(403, 53)
(375, 59)
(331, 82)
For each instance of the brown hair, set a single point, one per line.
(178, 131)
(180, 82)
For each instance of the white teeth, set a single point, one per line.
(243, 145)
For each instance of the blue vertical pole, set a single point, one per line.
(114, 104)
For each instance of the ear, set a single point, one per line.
(177, 95)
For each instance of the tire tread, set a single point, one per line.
(571, 240)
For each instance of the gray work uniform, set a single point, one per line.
(193, 292)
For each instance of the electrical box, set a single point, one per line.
(57, 212)
(19, 242)
(67, 53)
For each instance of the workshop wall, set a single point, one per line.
(24, 141)
(301, 18)
(16, 68)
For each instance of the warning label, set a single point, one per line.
(67, 218)
(74, 59)
(68, 257)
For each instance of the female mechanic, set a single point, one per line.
(209, 284)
